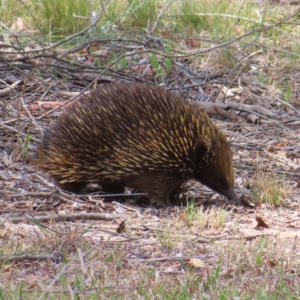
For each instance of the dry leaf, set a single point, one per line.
(90, 60)
(18, 25)
(47, 105)
(146, 70)
(182, 217)
(273, 148)
(197, 263)
(261, 222)
(273, 263)
(122, 227)
(31, 279)
(7, 268)
(193, 44)
(237, 29)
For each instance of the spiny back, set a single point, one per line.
(125, 130)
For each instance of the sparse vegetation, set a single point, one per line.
(245, 50)
(160, 74)
(165, 237)
(91, 268)
(211, 219)
(268, 189)
(286, 92)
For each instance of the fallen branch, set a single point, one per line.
(250, 108)
(68, 217)
(18, 258)
(9, 89)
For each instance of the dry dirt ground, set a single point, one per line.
(49, 238)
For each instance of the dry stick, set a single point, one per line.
(292, 220)
(65, 94)
(61, 197)
(18, 258)
(249, 108)
(30, 116)
(246, 237)
(86, 43)
(56, 194)
(16, 130)
(197, 76)
(221, 112)
(10, 121)
(291, 123)
(32, 194)
(160, 259)
(18, 232)
(69, 217)
(9, 89)
(221, 109)
(128, 208)
(210, 107)
(51, 185)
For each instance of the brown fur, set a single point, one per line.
(136, 135)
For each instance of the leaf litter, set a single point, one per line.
(125, 248)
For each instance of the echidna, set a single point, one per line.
(140, 136)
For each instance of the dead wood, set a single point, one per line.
(67, 217)
(20, 258)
